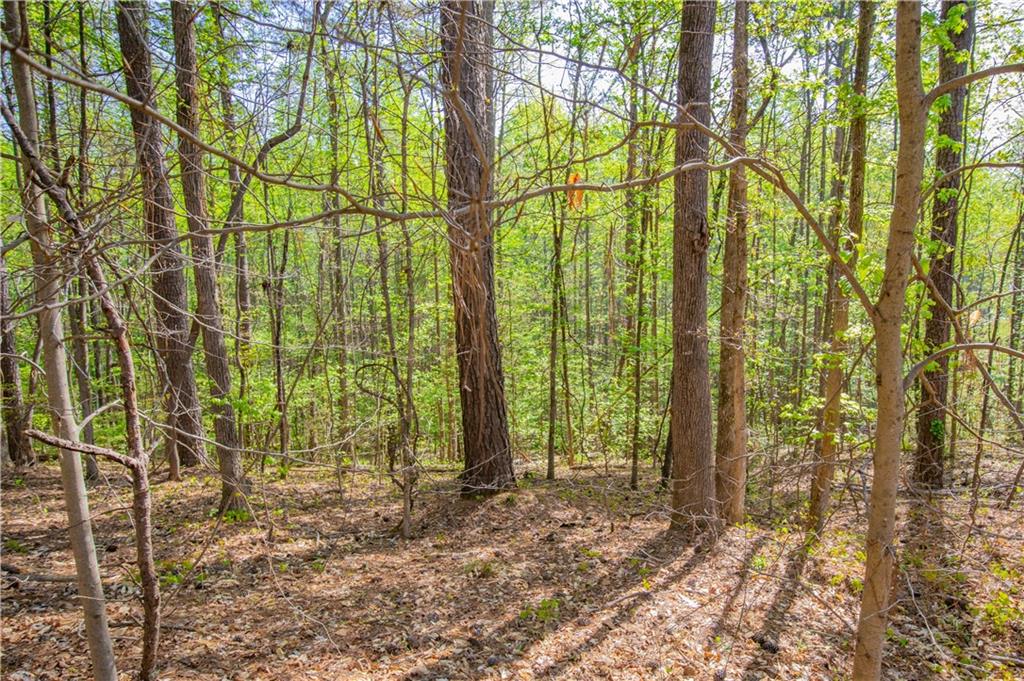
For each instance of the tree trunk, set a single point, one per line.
(931, 416)
(693, 471)
(193, 184)
(15, 414)
(466, 59)
(47, 292)
(170, 297)
(887, 317)
(821, 487)
(731, 443)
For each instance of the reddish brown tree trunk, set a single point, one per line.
(931, 416)
(466, 60)
(731, 443)
(693, 469)
(170, 296)
(193, 183)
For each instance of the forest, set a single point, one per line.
(519, 339)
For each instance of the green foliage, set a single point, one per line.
(547, 611)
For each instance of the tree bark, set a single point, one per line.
(931, 416)
(138, 460)
(466, 59)
(170, 297)
(887, 317)
(693, 470)
(193, 184)
(16, 416)
(58, 394)
(731, 443)
(821, 487)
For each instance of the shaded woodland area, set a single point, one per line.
(512, 340)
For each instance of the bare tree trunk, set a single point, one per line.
(170, 296)
(931, 416)
(138, 459)
(47, 291)
(466, 59)
(887, 317)
(193, 183)
(16, 415)
(821, 487)
(243, 297)
(731, 442)
(693, 470)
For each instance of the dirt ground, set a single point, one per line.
(577, 579)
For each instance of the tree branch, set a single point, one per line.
(948, 86)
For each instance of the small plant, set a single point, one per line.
(759, 563)
(481, 569)
(319, 565)
(546, 611)
(590, 553)
(237, 515)
(1001, 611)
(14, 546)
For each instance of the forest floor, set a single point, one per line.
(576, 579)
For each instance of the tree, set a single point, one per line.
(469, 163)
(958, 18)
(16, 415)
(821, 486)
(193, 184)
(170, 297)
(731, 443)
(887, 318)
(48, 281)
(693, 472)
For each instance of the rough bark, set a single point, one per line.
(208, 312)
(170, 297)
(887, 317)
(821, 486)
(731, 442)
(693, 471)
(931, 416)
(16, 415)
(48, 281)
(466, 59)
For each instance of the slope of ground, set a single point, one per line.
(576, 579)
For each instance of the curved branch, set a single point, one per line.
(948, 86)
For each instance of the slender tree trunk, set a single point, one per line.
(887, 318)
(731, 443)
(170, 296)
(693, 469)
(466, 59)
(931, 416)
(821, 488)
(138, 459)
(193, 183)
(47, 292)
(15, 413)
(243, 297)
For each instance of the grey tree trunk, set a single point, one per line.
(58, 394)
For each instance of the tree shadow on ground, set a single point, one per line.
(931, 592)
(775, 620)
